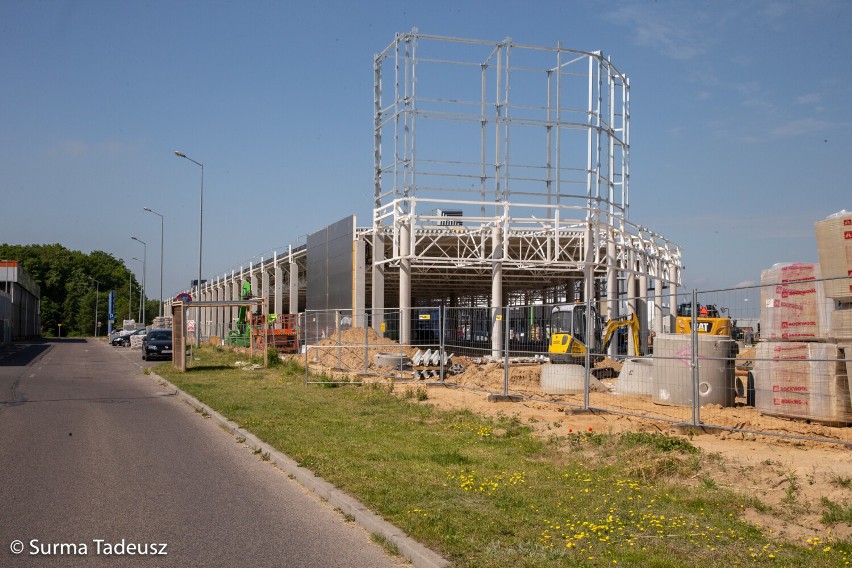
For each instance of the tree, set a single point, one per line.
(69, 294)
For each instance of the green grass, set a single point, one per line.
(488, 492)
(836, 512)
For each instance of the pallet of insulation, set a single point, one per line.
(846, 352)
(834, 243)
(802, 380)
(841, 325)
(793, 305)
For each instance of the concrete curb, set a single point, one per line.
(419, 555)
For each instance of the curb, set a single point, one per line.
(419, 555)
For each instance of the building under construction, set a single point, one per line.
(502, 177)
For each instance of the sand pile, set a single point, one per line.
(354, 350)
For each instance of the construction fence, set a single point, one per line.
(770, 359)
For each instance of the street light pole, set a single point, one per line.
(149, 210)
(144, 270)
(200, 242)
(97, 290)
(141, 291)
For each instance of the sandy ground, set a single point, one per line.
(789, 465)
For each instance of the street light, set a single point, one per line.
(129, 292)
(141, 292)
(97, 290)
(144, 271)
(200, 241)
(149, 210)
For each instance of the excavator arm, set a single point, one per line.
(630, 321)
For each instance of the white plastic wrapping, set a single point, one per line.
(841, 325)
(793, 305)
(802, 380)
(834, 243)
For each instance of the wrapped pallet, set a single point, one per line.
(841, 325)
(846, 352)
(793, 306)
(802, 380)
(834, 243)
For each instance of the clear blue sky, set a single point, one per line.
(740, 141)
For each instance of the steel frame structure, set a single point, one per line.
(530, 142)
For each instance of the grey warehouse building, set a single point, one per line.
(20, 297)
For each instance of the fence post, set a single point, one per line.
(398, 372)
(442, 318)
(337, 330)
(316, 337)
(366, 345)
(305, 338)
(587, 367)
(694, 362)
(506, 352)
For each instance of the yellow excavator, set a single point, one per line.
(708, 319)
(568, 329)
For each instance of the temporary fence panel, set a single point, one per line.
(716, 363)
(337, 350)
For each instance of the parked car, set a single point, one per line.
(117, 338)
(122, 338)
(115, 335)
(157, 344)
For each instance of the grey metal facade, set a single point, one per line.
(5, 318)
(330, 254)
(24, 300)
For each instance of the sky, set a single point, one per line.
(740, 121)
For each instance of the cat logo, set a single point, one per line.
(703, 327)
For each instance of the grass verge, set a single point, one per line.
(487, 492)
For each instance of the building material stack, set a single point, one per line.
(834, 243)
(800, 369)
(798, 379)
(136, 341)
(793, 303)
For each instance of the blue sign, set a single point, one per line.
(183, 297)
(111, 305)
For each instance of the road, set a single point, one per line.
(97, 460)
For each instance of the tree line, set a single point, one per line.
(74, 285)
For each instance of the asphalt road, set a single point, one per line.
(98, 460)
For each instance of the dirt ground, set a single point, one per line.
(778, 461)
